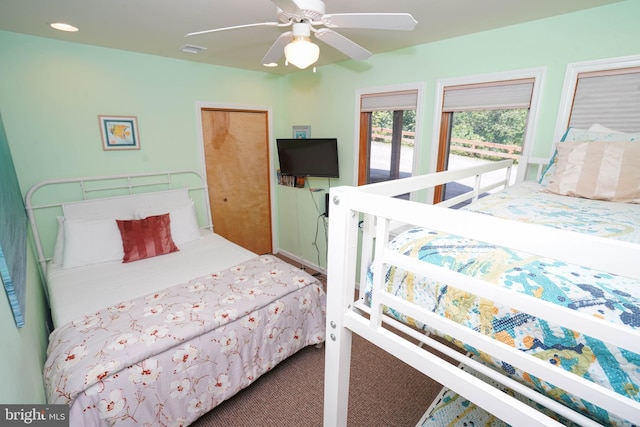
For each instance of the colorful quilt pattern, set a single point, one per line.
(452, 410)
(610, 298)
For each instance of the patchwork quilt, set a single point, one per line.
(452, 410)
(611, 298)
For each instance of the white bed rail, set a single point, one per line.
(421, 182)
(430, 181)
(70, 190)
(345, 316)
(531, 167)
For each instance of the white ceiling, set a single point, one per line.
(158, 27)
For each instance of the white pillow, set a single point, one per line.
(183, 222)
(90, 242)
(58, 250)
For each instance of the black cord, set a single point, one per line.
(321, 215)
(315, 241)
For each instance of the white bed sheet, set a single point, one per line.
(75, 292)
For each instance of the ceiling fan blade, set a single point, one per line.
(343, 44)
(276, 50)
(288, 6)
(375, 21)
(259, 24)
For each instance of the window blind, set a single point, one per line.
(389, 101)
(611, 99)
(501, 95)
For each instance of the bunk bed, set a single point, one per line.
(156, 318)
(525, 318)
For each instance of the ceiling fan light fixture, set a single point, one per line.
(304, 17)
(301, 52)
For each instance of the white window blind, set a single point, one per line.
(609, 98)
(389, 101)
(501, 95)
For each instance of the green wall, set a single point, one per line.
(604, 32)
(51, 93)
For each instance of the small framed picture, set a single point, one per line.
(119, 132)
(302, 132)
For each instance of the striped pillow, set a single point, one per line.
(603, 171)
(146, 238)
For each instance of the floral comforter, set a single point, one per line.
(612, 298)
(167, 358)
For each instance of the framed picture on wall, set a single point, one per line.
(302, 132)
(119, 132)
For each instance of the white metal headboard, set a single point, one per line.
(45, 200)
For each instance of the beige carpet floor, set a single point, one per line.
(383, 392)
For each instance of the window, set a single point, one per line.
(606, 93)
(482, 121)
(387, 135)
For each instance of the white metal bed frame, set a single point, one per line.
(88, 188)
(373, 206)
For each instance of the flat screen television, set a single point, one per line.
(315, 157)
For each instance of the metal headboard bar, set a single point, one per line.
(167, 181)
(130, 186)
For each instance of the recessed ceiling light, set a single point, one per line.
(63, 27)
(271, 64)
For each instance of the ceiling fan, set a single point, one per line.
(303, 16)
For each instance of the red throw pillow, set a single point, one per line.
(146, 238)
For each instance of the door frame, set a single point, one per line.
(204, 105)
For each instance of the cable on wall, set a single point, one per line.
(320, 219)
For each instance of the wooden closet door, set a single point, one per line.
(236, 147)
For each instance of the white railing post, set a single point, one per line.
(341, 268)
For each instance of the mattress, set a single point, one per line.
(612, 298)
(75, 292)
